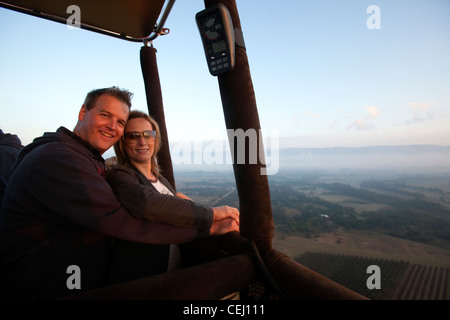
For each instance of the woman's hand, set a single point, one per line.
(224, 212)
(183, 196)
(226, 219)
(223, 226)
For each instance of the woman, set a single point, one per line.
(146, 194)
(137, 158)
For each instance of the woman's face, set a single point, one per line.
(140, 148)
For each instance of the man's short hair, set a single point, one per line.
(122, 95)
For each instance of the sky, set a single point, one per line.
(326, 73)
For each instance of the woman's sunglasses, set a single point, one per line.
(135, 135)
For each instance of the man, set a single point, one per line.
(59, 215)
(10, 145)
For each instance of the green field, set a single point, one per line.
(399, 280)
(401, 221)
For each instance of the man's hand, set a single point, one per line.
(224, 212)
(226, 219)
(223, 226)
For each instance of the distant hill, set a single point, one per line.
(406, 157)
(426, 157)
(372, 150)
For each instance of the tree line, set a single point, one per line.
(415, 219)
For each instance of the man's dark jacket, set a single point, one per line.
(59, 211)
(10, 146)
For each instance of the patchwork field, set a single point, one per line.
(398, 280)
(400, 220)
(363, 243)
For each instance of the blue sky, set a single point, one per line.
(322, 78)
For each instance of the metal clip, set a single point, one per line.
(164, 31)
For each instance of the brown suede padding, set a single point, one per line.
(156, 109)
(240, 111)
(209, 281)
(299, 282)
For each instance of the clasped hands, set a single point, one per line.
(226, 219)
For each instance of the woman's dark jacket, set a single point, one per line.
(138, 195)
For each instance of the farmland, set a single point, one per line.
(424, 283)
(400, 280)
(398, 220)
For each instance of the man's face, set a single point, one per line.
(103, 125)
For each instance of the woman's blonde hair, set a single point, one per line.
(122, 157)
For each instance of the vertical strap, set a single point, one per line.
(156, 109)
